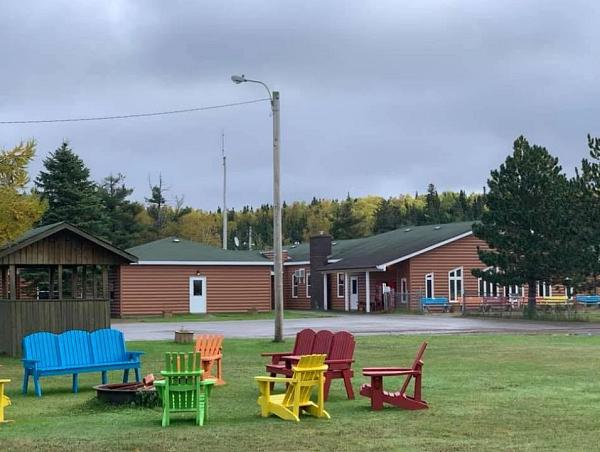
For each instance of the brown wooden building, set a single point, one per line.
(180, 276)
(399, 267)
(55, 278)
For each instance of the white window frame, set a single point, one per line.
(295, 282)
(546, 289)
(341, 285)
(307, 284)
(430, 277)
(452, 283)
(489, 288)
(404, 290)
(509, 292)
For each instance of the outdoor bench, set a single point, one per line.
(496, 304)
(437, 303)
(588, 299)
(74, 352)
(471, 303)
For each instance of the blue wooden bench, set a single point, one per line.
(436, 303)
(588, 299)
(75, 352)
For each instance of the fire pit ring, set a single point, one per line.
(122, 393)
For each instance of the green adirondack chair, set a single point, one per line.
(183, 389)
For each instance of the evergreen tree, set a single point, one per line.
(123, 229)
(586, 208)
(526, 221)
(71, 196)
(345, 223)
(433, 205)
(387, 217)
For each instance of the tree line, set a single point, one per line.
(64, 191)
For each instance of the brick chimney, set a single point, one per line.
(320, 250)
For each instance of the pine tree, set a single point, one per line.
(123, 229)
(345, 223)
(433, 205)
(526, 222)
(71, 196)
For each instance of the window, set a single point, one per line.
(544, 289)
(307, 284)
(403, 290)
(513, 291)
(300, 275)
(487, 288)
(295, 282)
(455, 283)
(341, 285)
(429, 286)
(197, 289)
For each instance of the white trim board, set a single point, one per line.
(207, 263)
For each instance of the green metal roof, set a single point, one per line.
(380, 249)
(173, 249)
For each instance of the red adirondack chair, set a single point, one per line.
(400, 399)
(319, 345)
(340, 351)
(302, 346)
(340, 359)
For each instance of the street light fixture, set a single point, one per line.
(277, 239)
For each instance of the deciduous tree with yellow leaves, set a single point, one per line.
(21, 208)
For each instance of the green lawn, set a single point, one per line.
(486, 392)
(222, 316)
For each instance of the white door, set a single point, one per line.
(353, 293)
(198, 294)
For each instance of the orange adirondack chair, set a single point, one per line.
(400, 399)
(210, 348)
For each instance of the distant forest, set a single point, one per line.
(64, 192)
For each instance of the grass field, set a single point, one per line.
(486, 392)
(223, 316)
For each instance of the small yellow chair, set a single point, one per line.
(308, 374)
(4, 401)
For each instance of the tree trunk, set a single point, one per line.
(531, 294)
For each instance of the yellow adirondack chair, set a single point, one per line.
(4, 401)
(308, 374)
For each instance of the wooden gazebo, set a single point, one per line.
(55, 278)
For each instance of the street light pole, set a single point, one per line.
(277, 234)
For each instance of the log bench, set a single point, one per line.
(74, 352)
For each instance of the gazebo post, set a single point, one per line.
(4, 282)
(105, 293)
(50, 282)
(83, 282)
(13, 281)
(60, 281)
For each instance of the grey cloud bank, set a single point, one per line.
(377, 97)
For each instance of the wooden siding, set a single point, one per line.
(302, 301)
(461, 253)
(65, 248)
(153, 289)
(20, 318)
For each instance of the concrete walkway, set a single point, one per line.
(357, 324)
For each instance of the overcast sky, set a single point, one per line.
(377, 97)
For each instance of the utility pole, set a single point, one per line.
(224, 190)
(277, 248)
(277, 235)
(250, 237)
